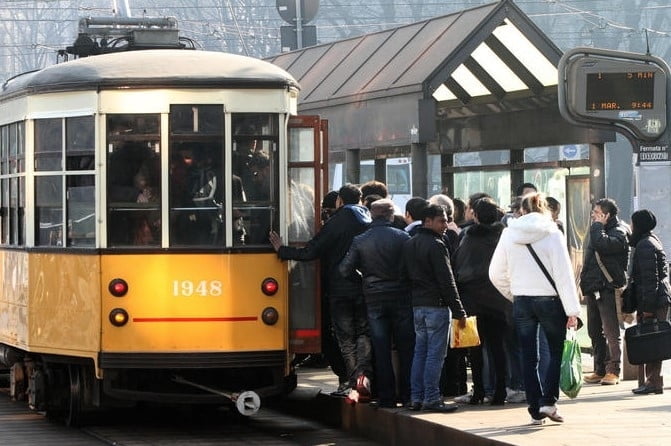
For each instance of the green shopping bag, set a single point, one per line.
(570, 377)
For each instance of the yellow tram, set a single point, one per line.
(137, 192)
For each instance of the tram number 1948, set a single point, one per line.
(204, 288)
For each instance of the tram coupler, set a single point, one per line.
(247, 402)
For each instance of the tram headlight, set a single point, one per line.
(269, 286)
(118, 287)
(118, 317)
(269, 316)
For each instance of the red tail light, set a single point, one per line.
(118, 287)
(269, 286)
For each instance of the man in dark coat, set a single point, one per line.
(376, 254)
(345, 297)
(434, 293)
(604, 270)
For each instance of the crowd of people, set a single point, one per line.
(395, 280)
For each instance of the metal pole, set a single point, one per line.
(299, 24)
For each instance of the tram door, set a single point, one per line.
(308, 182)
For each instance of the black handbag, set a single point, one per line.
(648, 341)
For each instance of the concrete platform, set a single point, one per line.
(601, 415)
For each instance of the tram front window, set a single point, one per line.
(196, 175)
(133, 180)
(255, 177)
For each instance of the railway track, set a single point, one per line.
(165, 426)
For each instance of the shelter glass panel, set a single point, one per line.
(366, 171)
(495, 183)
(133, 181)
(484, 158)
(197, 175)
(48, 144)
(435, 184)
(552, 183)
(256, 169)
(569, 152)
(49, 211)
(399, 180)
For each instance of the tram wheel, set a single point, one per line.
(73, 410)
(68, 392)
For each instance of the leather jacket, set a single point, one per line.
(611, 241)
(426, 261)
(376, 254)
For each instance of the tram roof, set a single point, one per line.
(153, 68)
(486, 60)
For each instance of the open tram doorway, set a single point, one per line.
(307, 177)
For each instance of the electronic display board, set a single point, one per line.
(610, 88)
(631, 90)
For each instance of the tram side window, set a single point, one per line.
(48, 144)
(49, 210)
(12, 172)
(64, 216)
(133, 180)
(196, 175)
(80, 188)
(255, 177)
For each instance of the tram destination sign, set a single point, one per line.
(617, 90)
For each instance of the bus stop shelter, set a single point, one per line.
(480, 79)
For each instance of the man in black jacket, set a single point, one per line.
(376, 254)
(434, 293)
(346, 302)
(604, 270)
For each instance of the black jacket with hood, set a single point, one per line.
(331, 244)
(470, 263)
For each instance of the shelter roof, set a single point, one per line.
(480, 55)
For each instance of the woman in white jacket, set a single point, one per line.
(537, 301)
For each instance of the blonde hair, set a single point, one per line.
(534, 202)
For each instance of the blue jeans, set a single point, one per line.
(530, 312)
(391, 317)
(431, 330)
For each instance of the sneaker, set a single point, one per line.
(363, 388)
(439, 406)
(537, 421)
(610, 379)
(413, 405)
(552, 413)
(466, 398)
(516, 396)
(593, 378)
(343, 390)
(352, 397)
